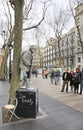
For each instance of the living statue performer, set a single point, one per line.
(25, 66)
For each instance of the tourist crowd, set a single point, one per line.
(74, 79)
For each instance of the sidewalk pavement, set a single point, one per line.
(61, 111)
(4, 88)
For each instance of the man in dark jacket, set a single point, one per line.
(65, 78)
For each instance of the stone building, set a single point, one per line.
(70, 49)
(79, 23)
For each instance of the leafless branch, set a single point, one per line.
(35, 26)
(10, 16)
(28, 9)
(77, 26)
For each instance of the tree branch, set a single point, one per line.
(35, 26)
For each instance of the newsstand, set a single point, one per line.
(28, 102)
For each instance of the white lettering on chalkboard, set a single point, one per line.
(28, 101)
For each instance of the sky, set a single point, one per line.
(29, 36)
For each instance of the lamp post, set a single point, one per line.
(10, 67)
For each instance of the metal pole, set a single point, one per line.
(10, 73)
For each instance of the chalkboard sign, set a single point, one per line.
(28, 103)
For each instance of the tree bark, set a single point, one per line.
(15, 81)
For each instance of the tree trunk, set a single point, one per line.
(15, 81)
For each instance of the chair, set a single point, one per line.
(11, 108)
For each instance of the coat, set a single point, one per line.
(76, 77)
(66, 76)
(26, 60)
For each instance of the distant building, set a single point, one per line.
(67, 50)
(37, 58)
(79, 21)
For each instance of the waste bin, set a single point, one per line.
(28, 102)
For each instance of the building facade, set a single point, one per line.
(79, 23)
(37, 61)
(70, 50)
(67, 50)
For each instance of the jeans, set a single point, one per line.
(57, 79)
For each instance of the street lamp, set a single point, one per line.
(10, 69)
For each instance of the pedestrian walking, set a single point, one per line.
(36, 73)
(52, 75)
(65, 78)
(43, 76)
(57, 77)
(33, 72)
(46, 73)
